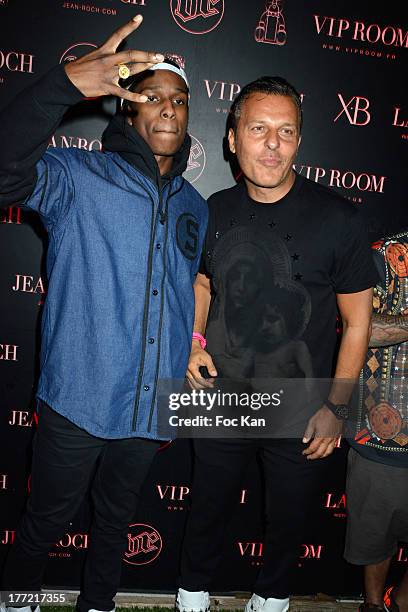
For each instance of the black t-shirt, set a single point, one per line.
(275, 271)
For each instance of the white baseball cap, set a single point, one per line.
(166, 65)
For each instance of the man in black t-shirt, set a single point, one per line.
(282, 255)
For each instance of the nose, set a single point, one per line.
(272, 139)
(167, 110)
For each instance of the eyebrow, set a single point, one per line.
(266, 121)
(154, 87)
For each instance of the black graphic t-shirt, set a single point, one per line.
(275, 271)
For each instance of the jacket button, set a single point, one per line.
(158, 245)
(151, 340)
(155, 292)
(146, 387)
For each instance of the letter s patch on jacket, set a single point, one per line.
(187, 235)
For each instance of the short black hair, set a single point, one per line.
(270, 85)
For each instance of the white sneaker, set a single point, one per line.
(259, 604)
(192, 601)
(276, 605)
(254, 604)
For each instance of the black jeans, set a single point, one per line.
(66, 460)
(289, 477)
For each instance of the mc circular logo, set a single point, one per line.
(75, 51)
(197, 16)
(144, 544)
(196, 161)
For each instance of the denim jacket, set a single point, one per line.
(124, 248)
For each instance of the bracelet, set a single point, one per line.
(201, 339)
(341, 411)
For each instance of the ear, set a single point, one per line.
(231, 140)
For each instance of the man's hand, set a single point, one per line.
(199, 357)
(96, 73)
(325, 429)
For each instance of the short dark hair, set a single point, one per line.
(270, 85)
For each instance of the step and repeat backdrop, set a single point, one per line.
(348, 60)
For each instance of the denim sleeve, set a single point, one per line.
(54, 191)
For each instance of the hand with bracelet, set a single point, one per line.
(325, 428)
(199, 358)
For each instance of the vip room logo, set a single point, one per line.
(196, 161)
(3, 482)
(197, 16)
(173, 495)
(347, 180)
(221, 90)
(224, 91)
(271, 28)
(360, 38)
(359, 31)
(144, 544)
(75, 51)
(355, 110)
(402, 554)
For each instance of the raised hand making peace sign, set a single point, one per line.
(97, 73)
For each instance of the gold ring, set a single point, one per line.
(124, 72)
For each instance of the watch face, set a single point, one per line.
(342, 411)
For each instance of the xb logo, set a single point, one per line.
(356, 110)
(187, 235)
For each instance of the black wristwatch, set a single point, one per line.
(341, 411)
